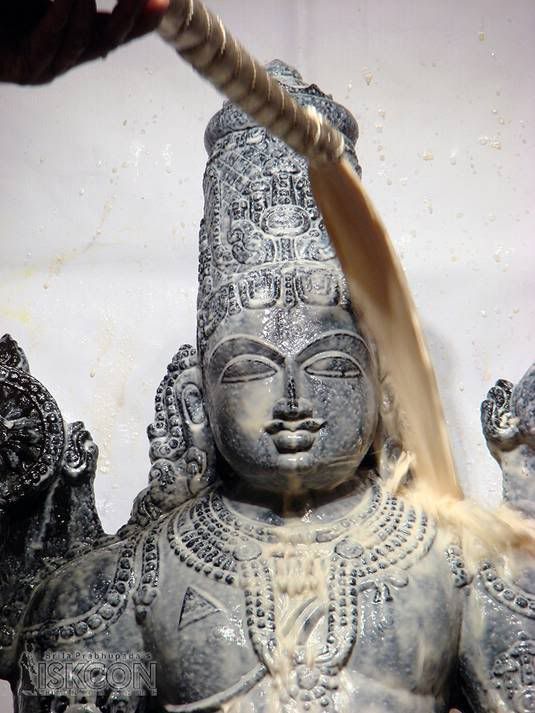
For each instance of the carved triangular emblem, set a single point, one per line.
(196, 605)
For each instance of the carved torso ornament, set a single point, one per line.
(266, 567)
(328, 612)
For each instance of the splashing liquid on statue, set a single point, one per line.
(268, 565)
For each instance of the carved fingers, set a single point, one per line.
(508, 420)
(499, 425)
(79, 460)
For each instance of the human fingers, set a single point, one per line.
(120, 24)
(156, 6)
(111, 30)
(149, 19)
(45, 41)
(77, 37)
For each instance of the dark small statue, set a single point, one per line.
(266, 567)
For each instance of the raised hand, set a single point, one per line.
(508, 420)
(499, 424)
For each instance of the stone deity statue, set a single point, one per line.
(267, 566)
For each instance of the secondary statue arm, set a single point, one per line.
(47, 508)
(498, 634)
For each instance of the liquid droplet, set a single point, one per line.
(368, 76)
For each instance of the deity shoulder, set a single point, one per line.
(85, 597)
(71, 586)
(47, 507)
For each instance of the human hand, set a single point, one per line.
(40, 39)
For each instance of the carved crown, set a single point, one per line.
(262, 239)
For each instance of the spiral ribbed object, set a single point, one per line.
(201, 39)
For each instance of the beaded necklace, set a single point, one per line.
(370, 549)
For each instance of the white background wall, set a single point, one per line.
(101, 198)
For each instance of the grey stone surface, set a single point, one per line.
(264, 567)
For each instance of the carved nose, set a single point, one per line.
(292, 408)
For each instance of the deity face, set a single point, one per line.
(291, 396)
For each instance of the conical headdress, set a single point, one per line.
(262, 238)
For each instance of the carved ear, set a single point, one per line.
(201, 453)
(180, 434)
(192, 401)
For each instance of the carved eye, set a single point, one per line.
(247, 368)
(334, 365)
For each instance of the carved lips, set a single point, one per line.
(294, 436)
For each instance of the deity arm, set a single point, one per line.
(80, 647)
(47, 508)
(497, 648)
(508, 420)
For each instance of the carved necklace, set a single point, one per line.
(368, 550)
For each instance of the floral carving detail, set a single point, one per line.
(513, 674)
(31, 434)
(81, 453)
(11, 354)
(249, 247)
(21, 436)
